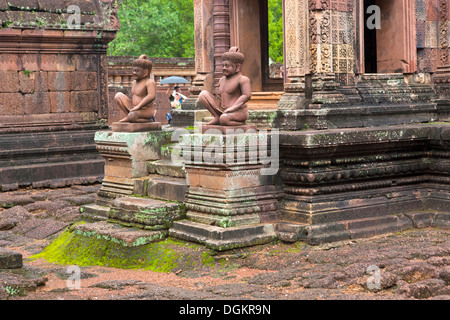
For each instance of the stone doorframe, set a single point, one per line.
(405, 53)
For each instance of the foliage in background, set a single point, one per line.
(276, 30)
(165, 28)
(158, 28)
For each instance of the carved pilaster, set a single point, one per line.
(204, 57)
(324, 49)
(204, 19)
(221, 35)
(443, 32)
(297, 54)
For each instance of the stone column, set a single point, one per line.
(331, 48)
(204, 64)
(313, 43)
(296, 41)
(443, 26)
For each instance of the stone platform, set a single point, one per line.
(127, 155)
(221, 239)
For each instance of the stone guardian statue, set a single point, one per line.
(229, 106)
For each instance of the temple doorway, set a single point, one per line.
(251, 33)
(388, 37)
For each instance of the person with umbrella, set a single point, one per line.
(175, 96)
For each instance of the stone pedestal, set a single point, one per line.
(231, 201)
(126, 154)
(136, 127)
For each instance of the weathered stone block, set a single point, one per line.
(10, 259)
(28, 61)
(118, 234)
(12, 103)
(26, 81)
(432, 10)
(32, 4)
(84, 101)
(84, 81)
(421, 219)
(41, 81)
(58, 62)
(37, 103)
(59, 81)
(60, 102)
(9, 81)
(165, 188)
(8, 62)
(11, 217)
(221, 239)
(87, 62)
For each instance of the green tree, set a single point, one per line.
(158, 28)
(276, 30)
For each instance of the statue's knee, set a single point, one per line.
(133, 117)
(224, 119)
(118, 96)
(202, 96)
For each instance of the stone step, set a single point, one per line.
(145, 213)
(128, 237)
(370, 222)
(95, 211)
(167, 188)
(342, 230)
(287, 231)
(166, 168)
(364, 228)
(374, 231)
(221, 239)
(314, 234)
(442, 220)
(421, 219)
(221, 221)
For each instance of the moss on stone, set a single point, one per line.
(72, 248)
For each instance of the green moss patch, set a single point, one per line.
(72, 248)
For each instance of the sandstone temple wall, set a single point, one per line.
(54, 90)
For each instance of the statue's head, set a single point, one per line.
(144, 63)
(234, 58)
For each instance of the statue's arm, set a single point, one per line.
(246, 94)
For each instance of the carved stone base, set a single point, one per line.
(333, 178)
(240, 129)
(230, 204)
(127, 155)
(49, 159)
